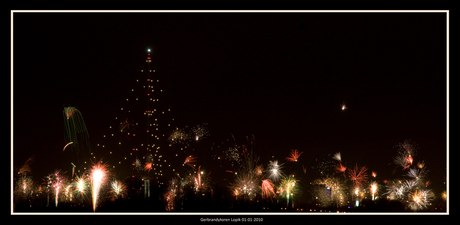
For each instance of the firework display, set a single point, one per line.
(144, 154)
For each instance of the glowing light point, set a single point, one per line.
(148, 50)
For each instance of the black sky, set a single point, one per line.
(279, 76)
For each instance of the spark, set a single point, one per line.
(294, 155)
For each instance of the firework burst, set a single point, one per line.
(267, 189)
(179, 136)
(23, 186)
(420, 199)
(80, 186)
(245, 184)
(358, 175)
(275, 170)
(56, 181)
(288, 187)
(294, 155)
(148, 166)
(341, 169)
(337, 156)
(118, 190)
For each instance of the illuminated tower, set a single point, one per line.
(136, 144)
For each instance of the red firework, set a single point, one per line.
(341, 169)
(190, 161)
(267, 189)
(148, 166)
(358, 175)
(294, 156)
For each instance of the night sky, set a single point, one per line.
(279, 76)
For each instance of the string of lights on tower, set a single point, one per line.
(136, 144)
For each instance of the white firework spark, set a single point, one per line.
(274, 170)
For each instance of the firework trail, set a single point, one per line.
(358, 175)
(124, 125)
(67, 145)
(75, 129)
(98, 176)
(198, 179)
(294, 155)
(275, 170)
(190, 161)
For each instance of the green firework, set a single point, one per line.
(75, 131)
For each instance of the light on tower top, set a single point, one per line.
(148, 50)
